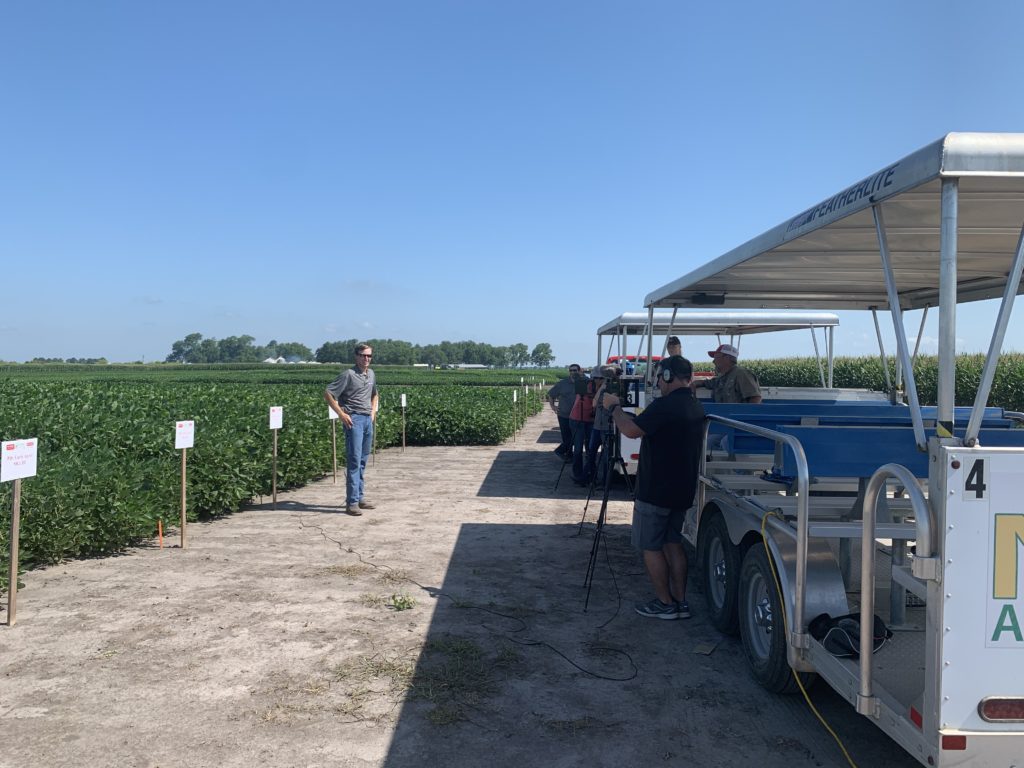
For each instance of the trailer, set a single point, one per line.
(728, 327)
(642, 328)
(819, 516)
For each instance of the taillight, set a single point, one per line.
(635, 456)
(997, 709)
(954, 742)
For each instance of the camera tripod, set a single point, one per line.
(564, 461)
(611, 456)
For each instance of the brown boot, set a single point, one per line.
(353, 509)
(364, 504)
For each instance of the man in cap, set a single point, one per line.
(671, 429)
(608, 374)
(582, 420)
(732, 384)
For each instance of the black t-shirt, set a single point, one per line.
(673, 426)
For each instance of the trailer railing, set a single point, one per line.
(924, 566)
(798, 631)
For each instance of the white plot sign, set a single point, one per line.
(276, 416)
(332, 414)
(18, 459)
(184, 434)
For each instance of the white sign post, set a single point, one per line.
(334, 441)
(276, 422)
(18, 460)
(403, 422)
(515, 408)
(184, 438)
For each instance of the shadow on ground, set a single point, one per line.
(530, 474)
(514, 672)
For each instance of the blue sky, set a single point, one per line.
(497, 171)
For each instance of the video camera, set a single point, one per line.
(581, 385)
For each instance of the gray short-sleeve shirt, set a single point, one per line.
(354, 391)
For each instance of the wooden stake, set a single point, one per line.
(274, 479)
(403, 427)
(12, 585)
(184, 520)
(160, 532)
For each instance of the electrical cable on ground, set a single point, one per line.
(437, 593)
(785, 625)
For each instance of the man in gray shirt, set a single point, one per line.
(561, 397)
(353, 396)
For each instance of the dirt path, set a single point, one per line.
(444, 628)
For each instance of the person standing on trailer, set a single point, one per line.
(671, 428)
(561, 398)
(353, 396)
(673, 347)
(732, 384)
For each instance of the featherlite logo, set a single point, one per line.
(1008, 540)
(865, 189)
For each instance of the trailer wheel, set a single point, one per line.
(719, 562)
(761, 624)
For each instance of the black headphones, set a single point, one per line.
(666, 372)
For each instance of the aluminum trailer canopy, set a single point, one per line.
(711, 323)
(827, 256)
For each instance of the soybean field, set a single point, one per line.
(108, 470)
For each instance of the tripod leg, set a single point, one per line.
(593, 481)
(559, 478)
(595, 549)
(625, 475)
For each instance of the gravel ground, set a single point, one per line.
(446, 627)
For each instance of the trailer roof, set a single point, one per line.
(827, 257)
(698, 322)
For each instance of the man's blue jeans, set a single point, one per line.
(565, 428)
(358, 445)
(580, 439)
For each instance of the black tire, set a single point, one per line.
(761, 624)
(719, 562)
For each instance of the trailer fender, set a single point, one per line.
(825, 591)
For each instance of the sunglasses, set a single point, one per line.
(360, 354)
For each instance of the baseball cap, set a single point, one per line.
(725, 349)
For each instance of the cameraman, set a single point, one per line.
(672, 428)
(582, 420)
(610, 385)
(561, 398)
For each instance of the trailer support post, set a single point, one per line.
(947, 308)
(902, 349)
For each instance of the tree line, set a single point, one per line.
(241, 349)
(72, 360)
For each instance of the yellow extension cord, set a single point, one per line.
(785, 624)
